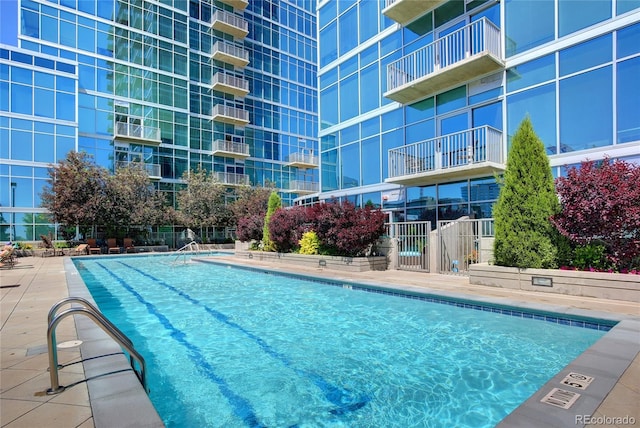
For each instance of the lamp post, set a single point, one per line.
(13, 213)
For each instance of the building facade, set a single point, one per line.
(229, 86)
(419, 99)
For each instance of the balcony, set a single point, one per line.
(230, 23)
(137, 133)
(230, 54)
(230, 84)
(474, 152)
(302, 160)
(237, 4)
(152, 169)
(302, 187)
(230, 149)
(405, 11)
(459, 57)
(232, 179)
(231, 115)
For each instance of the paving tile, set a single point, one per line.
(13, 409)
(52, 415)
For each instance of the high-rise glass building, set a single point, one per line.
(229, 86)
(419, 99)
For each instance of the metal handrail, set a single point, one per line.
(183, 250)
(101, 321)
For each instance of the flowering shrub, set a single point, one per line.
(286, 227)
(250, 228)
(601, 205)
(342, 229)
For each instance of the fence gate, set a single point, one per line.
(463, 242)
(413, 245)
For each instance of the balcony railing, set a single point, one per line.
(302, 160)
(237, 4)
(141, 133)
(230, 84)
(405, 11)
(152, 169)
(467, 53)
(232, 179)
(303, 187)
(475, 151)
(230, 54)
(232, 149)
(231, 115)
(230, 23)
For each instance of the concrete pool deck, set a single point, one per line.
(28, 291)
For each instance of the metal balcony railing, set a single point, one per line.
(230, 23)
(478, 38)
(152, 169)
(467, 148)
(302, 159)
(299, 186)
(139, 132)
(228, 114)
(232, 179)
(230, 84)
(229, 53)
(231, 147)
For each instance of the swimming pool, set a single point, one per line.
(230, 347)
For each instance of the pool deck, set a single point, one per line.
(28, 291)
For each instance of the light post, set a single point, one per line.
(13, 213)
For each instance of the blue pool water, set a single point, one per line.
(229, 347)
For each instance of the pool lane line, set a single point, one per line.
(335, 395)
(241, 406)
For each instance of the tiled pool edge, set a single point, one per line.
(116, 399)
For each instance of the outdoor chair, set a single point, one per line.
(93, 246)
(112, 246)
(49, 248)
(128, 246)
(81, 249)
(7, 257)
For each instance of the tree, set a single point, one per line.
(132, 200)
(601, 206)
(527, 200)
(273, 204)
(202, 203)
(75, 192)
(251, 201)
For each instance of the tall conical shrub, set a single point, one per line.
(524, 235)
(274, 203)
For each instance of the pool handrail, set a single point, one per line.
(185, 248)
(107, 326)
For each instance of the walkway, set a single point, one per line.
(35, 284)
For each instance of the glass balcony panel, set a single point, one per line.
(132, 132)
(232, 179)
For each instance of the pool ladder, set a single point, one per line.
(107, 326)
(182, 252)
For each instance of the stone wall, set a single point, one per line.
(616, 286)
(348, 264)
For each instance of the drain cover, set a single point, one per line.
(577, 380)
(69, 344)
(561, 398)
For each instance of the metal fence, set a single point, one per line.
(464, 242)
(412, 240)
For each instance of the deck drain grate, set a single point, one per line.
(561, 398)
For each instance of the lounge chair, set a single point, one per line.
(128, 246)
(81, 250)
(93, 246)
(49, 248)
(7, 257)
(112, 246)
